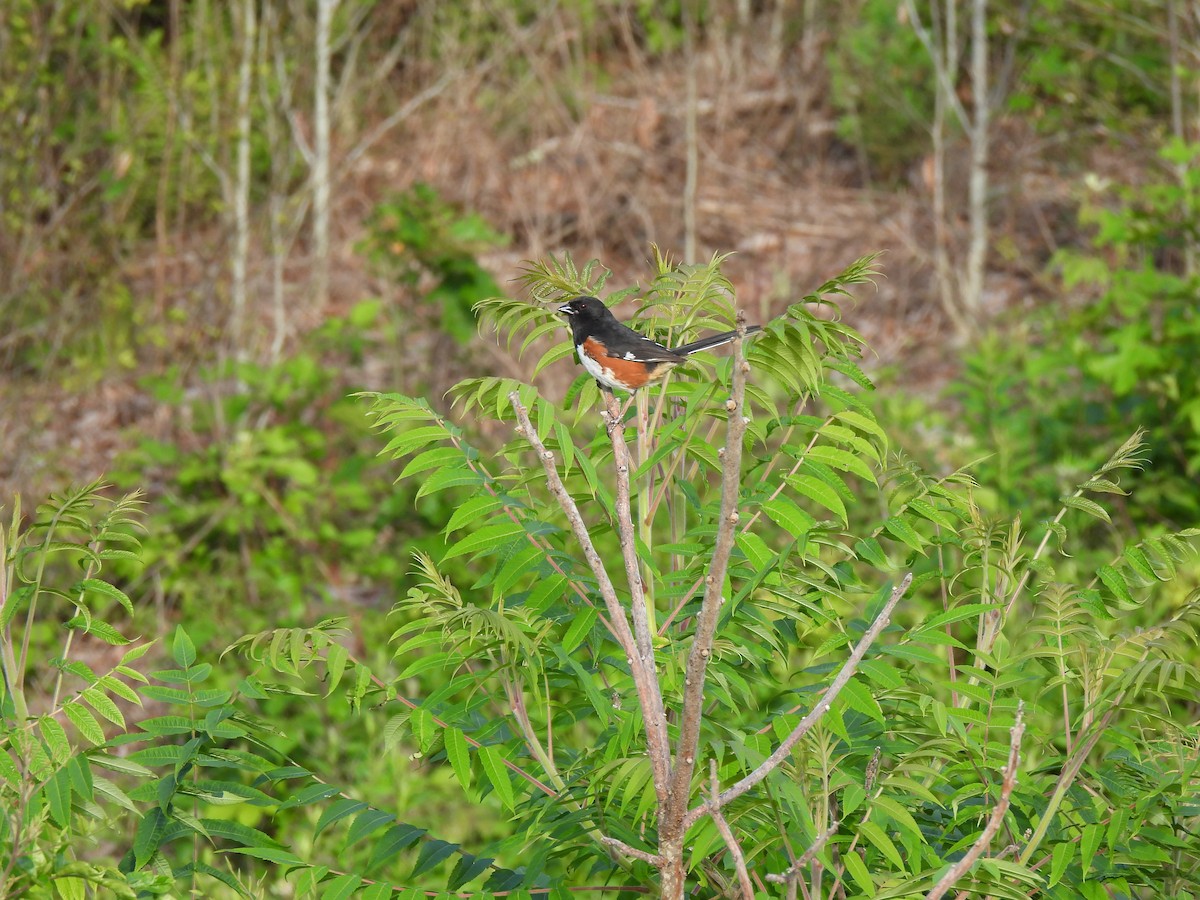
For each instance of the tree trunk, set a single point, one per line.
(320, 168)
(978, 188)
(241, 193)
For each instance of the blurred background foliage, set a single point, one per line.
(182, 311)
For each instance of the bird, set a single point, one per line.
(617, 356)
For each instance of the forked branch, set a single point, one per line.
(644, 678)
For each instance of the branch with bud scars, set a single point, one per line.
(706, 622)
(959, 869)
(645, 679)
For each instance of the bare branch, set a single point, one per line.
(615, 426)
(735, 850)
(637, 594)
(648, 697)
(633, 852)
(792, 875)
(379, 131)
(818, 711)
(997, 817)
(706, 621)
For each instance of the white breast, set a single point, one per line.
(597, 371)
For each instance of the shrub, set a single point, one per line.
(761, 648)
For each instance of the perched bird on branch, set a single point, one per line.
(617, 356)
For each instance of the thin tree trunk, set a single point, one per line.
(945, 37)
(691, 138)
(978, 187)
(320, 168)
(161, 213)
(241, 196)
(1181, 169)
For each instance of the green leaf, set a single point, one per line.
(335, 666)
(858, 697)
(97, 628)
(432, 853)
(1060, 858)
(490, 537)
(148, 836)
(341, 887)
(380, 890)
(1115, 582)
(928, 511)
(819, 492)
(55, 737)
(950, 616)
(869, 549)
(858, 871)
(1091, 507)
(785, 513)
(395, 839)
(337, 811)
(458, 754)
(475, 509)
(882, 842)
(493, 767)
(842, 459)
(413, 439)
(58, 797)
(899, 528)
(423, 727)
(96, 586)
(369, 820)
(467, 869)
(1140, 564)
(85, 723)
(581, 627)
(182, 648)
(279, 855)
(1088, 842)
(101, 703)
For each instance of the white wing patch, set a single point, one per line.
(630, 355)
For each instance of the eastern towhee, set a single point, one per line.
(619, 357)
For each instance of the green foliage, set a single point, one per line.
(58, 713)
(881, 85)
(1070, 381)
(1089, 64)
(275, 501)
(416, 237)
(828, 512)
(505, 681)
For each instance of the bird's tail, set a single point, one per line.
(715, 340)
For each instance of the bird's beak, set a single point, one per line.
(566, 309)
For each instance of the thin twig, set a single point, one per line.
(735, 850)
(791, 877)
(818, 711)
(995, 820)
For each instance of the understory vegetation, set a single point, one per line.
(724, 635)
(325, 572)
